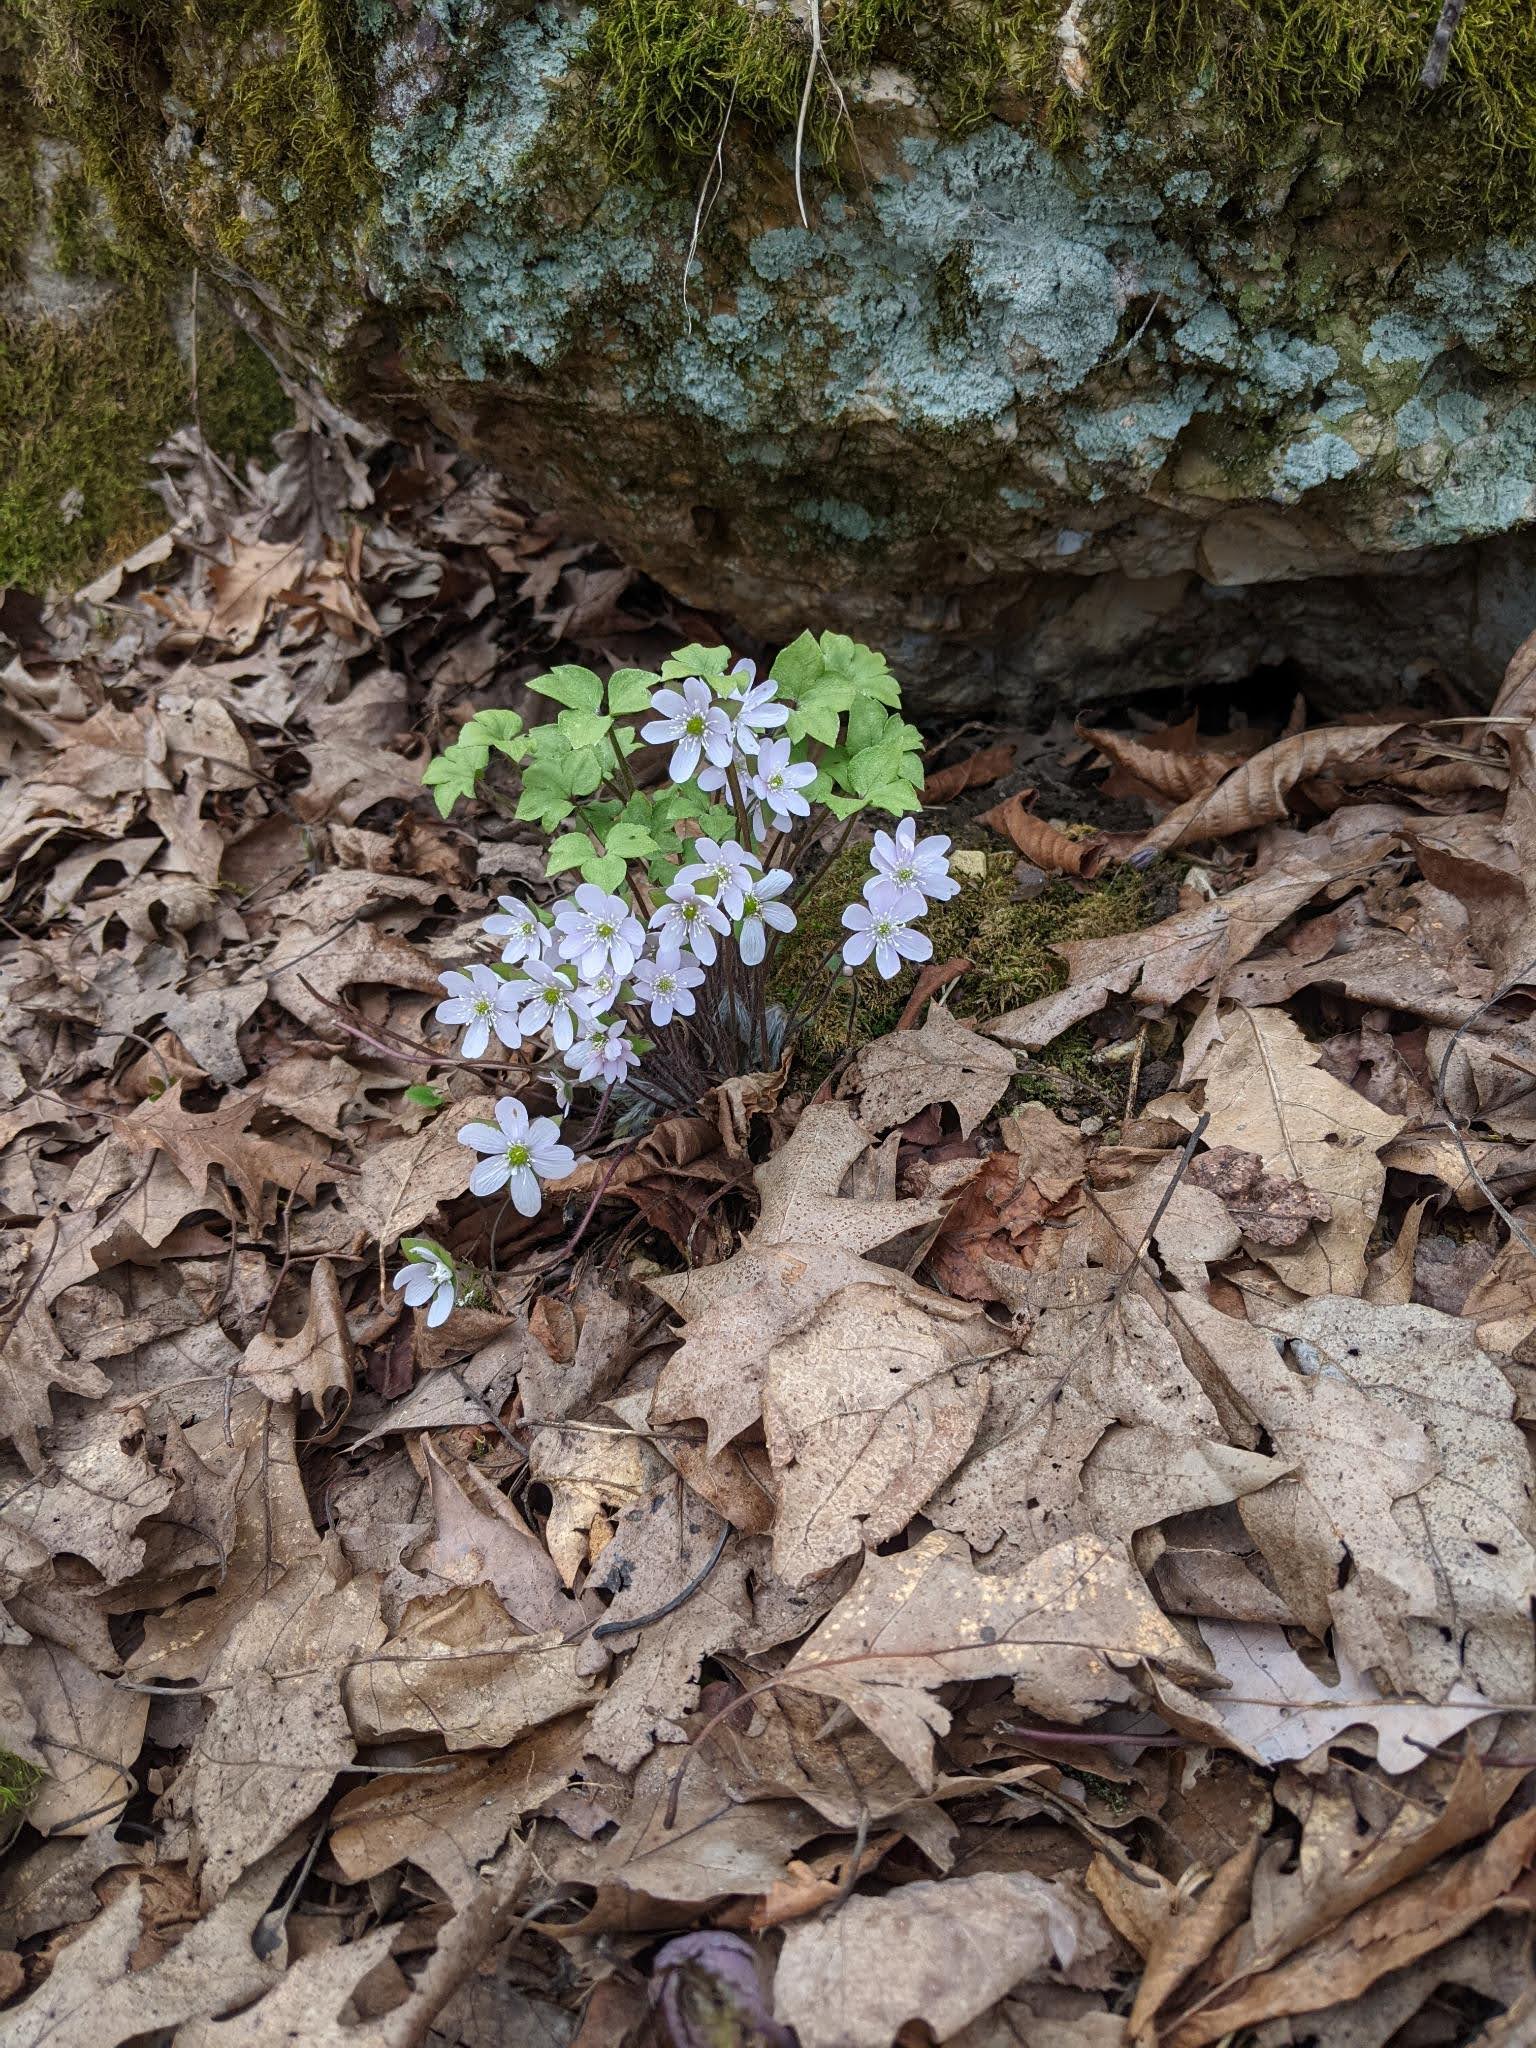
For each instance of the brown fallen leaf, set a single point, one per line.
(1095, 1428)
(1266, 1207)
(996, 1221)
(1390, 1932)
(1267, 1093)
(1278, 1709)
(1188, 1937)
(942, 1061)
(221, 1138)
(1042, 843)
(987, 764)
(1255, 792)
(93, 1994)
(1071, 1630)
(866, 1412)
(86, 1733)
(660, 1546)
(940, 1953)
(1171, 765)
(316, 1363)
(1165, 963)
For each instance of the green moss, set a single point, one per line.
(85, 401)
(1329, 88)
(663, 79)
(282, 90)
(1261, 67)
(18, 201)
(19, 1780)
(1009, 942)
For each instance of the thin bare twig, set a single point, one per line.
(1440, 44)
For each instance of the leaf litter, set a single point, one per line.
(895, 1560)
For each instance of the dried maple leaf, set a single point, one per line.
(866, 1411)
(1071, 1630)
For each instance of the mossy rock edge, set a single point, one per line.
(1092, 313)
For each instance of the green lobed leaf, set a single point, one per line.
(629, 691)
(425, 1096)
(629, 840)
(571, 685)
(452, 775)
(568, 851)
(694, 660)
(583, 728)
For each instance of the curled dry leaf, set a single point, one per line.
(1171, 764)
(1256, 792)
(314, 1364)
(989, 764)
(1048, 847)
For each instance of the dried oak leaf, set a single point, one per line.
(1171, 765)
(660, 1546)
(1266, 1207)
(866, 1411)
(89, 1732)
(944, 1061)
(939, 1952)
(316, 1363)
(1278, 1709)
(1267, 1093)
(485, 1542)
(451, 1823)
(995, 1221)
(220, 1138)
(1471, 1526)
(33, 1361)
(1072, 1630)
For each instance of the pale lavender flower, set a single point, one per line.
(518, 1155)
(689, 920)
(520, 928)
(756, 707)
(882, 926)
(666, 986)
(482, 1003)
(693, 724)
(555, 1004)
(758, 908)
(600, 993)
(604, 1055)
(597, 931)
(779, 781)
(918, 866)
(727, 864)
(427, 1276)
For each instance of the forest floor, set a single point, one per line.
(1020, 1535)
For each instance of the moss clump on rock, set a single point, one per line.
(1009, 940)
(661, 82)
(281, 90)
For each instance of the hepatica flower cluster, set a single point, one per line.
(690, 815)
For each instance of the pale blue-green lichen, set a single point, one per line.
(1061, 330)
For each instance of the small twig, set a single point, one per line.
(709, 192)
(1158, 1213)
(1135, 1080)
(1440, 44)
(622, 1628)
